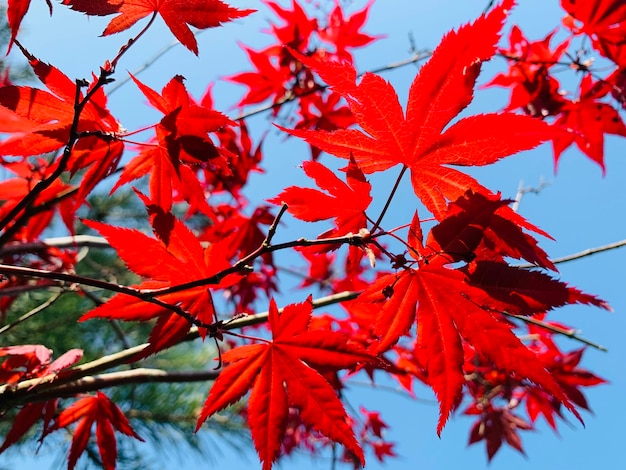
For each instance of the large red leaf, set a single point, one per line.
(453, 306)
(286, 372)
(174, 257)
(423, 140)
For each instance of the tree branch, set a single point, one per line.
(37, 392)
(80, 378)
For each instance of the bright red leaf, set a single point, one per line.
(183, 146)
(346, 203)
(533, 88)
(286, 372)
(344, 33)
(174, 257)
(178, 15)
(585, 121)
(423, 140)
(106, 415)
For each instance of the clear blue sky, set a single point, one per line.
(580, 208)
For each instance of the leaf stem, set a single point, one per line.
(388, 202)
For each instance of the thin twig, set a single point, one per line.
(77, 241)
(32, 313)
(580, 254)
(570, 333)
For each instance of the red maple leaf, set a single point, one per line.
(30, 361)
(343, 33)
(585, 121)
(423, 140)
(533, 89)
(184, 146)
(459, 305)
(174, 257)
(603, 19)
(496, 425)
(284, 372)
(297, 29)
(106, 415)
(346, 203)
(40, 122)
(269, 80)
(201, 14)
(16, 11)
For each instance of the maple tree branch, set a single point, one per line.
(580, 254)
(76, 241)
(132, 41)
(80, 378)
(36, 392)
(272, 230)
(88, 281)
(243, 264)
(569, 332)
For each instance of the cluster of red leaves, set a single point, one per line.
(496, 394)
(584, 119)
(281, 76)
(441, 315)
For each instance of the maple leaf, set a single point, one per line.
(31, 361)
(174, 257)
(298, 27)
(346, 203)
(496, 425)
(585, 121)
(344, 33)
(16, 11)
(106, 415)
(423, 140)
(463, 304)
(269, 79)
(605, 19)
(40, 122)
(533, 89)
(178, 15)
(26, 418)
(183, 146)
(287, 371)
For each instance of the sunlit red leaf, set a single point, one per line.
(286, 372)
(106, 415)
(421, 140)
(178, 16)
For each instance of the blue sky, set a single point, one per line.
(580, 208)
